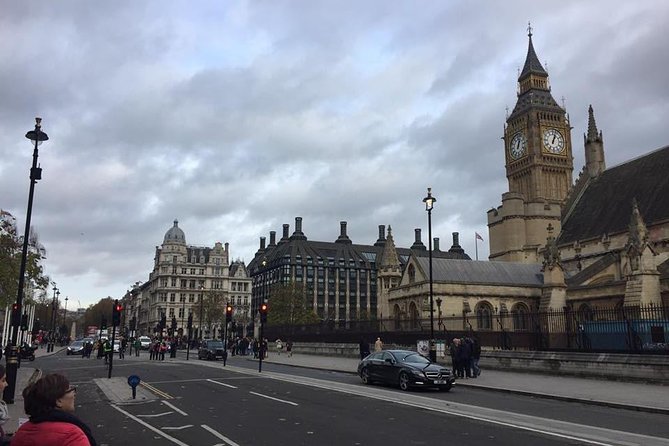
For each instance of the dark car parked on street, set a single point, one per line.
(406, 369)
(210, 349)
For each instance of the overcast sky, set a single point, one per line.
(235, 117)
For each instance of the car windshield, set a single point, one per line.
(413, 357)
(214, 344)
(77, 344)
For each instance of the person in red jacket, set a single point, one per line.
(49, 402)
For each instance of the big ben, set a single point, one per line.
(539, 167)
(537, 137)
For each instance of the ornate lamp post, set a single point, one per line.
(37, 136)
(438, 312)
(65, 310)
(201, 311)
(429, 204)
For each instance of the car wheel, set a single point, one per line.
(404, 381)
(364, 375)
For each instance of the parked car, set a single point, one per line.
(75, 348)
(406, 369)
(145, 342)
(210, 349)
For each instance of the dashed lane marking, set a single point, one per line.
(275, 399)
(155, 415)
(219, 435)
(221, 384)
(148, 426)
(175, 408)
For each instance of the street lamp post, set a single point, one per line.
(201, 311)
(429, 204)
(49, 346)
(438, 313)
(37, 136)
(65, 310)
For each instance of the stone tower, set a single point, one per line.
(539, 167)
(594, 148)
(389, 274)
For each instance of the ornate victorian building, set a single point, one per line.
(182, 275)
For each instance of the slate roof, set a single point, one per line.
(483, 272)
(532, 64)
(605, 206)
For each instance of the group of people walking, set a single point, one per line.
(465, 354)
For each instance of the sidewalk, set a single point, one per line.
(635, 396)
(22, 377)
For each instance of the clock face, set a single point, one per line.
(554, 141)
(518, 146)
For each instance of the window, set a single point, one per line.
(174, 281)
(172, 297)
(181, 312)
(484, 316)
(519, 313)
(412, 273)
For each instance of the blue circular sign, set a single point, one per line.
(133, 380)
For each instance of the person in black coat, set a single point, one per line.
(364, 349)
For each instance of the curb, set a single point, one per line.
(459, 383)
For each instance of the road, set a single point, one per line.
(203, 403)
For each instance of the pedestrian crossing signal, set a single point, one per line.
(228, 314)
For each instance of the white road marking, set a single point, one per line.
(176, 409)
(219, 435)
(275, 399)
(147, 425)
(154, 415)
(221, 384)
(176, 428)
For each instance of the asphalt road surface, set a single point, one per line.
(203, 403)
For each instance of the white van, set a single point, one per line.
(145, 342)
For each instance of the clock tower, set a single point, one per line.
(539, 167)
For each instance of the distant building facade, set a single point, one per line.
(182, 274)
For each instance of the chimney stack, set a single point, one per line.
(262, 243)
(435, 244)
(418, 244)
(381, 241)
(272, 238)
(343, 237)
(456, 248)
(298, 234)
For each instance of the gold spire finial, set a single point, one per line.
(529, 29)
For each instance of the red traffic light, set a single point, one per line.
(15, 307)
(119, 307)
(228, 309)
(263, 308)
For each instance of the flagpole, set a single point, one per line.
(476, 241)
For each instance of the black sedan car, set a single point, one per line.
(211, 349)
(405, 369)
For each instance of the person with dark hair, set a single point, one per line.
(49, 402)
(4, 412)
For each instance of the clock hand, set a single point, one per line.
(553, 141)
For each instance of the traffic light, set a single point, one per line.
(174, 323)
(263, 313)
(133, 323)
(228, 314)
(37, 326)
(103, 323)
(16, 316)
(116, 314)
(190, 322)
(24, 322)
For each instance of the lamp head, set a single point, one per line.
(429, 200)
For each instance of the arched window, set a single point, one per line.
(396, 316)
(585, 313)
(413, 315)
(519, 312)
(412, 274)
(484, 316)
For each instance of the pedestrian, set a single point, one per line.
(453, 351)
(152, 350)
(378, 345)
(49, 403)
(476, 356)
(289, 348)
(279, 346)
(138, 346)
(100, 349)
(163, 349)
(121, 348)
(4, 411)
(364, 348)
(173, 348)
(108, 351)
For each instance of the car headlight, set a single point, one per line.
(418, 373)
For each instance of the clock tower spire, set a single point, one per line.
(539, 167)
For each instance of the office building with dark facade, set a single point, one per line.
(343, 280)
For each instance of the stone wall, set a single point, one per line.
(650, 368)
